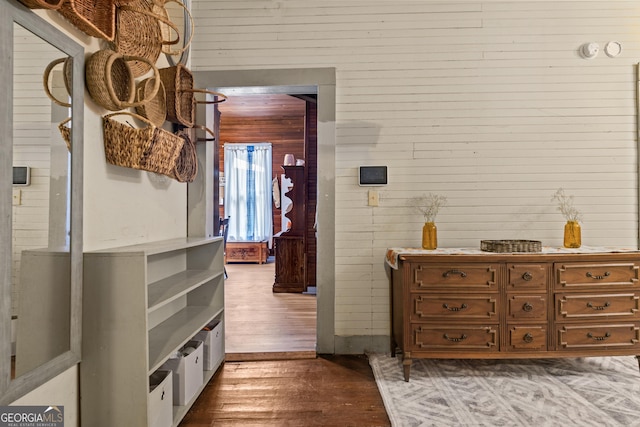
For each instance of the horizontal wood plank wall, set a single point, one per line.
(285, 134)
(486, 102)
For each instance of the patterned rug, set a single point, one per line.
(580, 392)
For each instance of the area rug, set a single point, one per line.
(580, 392)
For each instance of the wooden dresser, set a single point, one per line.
(246, 252)
(472, 304)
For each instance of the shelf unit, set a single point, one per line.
(141, 304)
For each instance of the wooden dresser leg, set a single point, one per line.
(406, 366)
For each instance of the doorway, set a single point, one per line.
(323, 81)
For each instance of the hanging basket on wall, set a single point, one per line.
(148, 148)
(95, 18)
(187, 163)
(153, 108)
(111, 83)
(42, 4)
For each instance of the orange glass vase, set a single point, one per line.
(572, 235)
(429, 236)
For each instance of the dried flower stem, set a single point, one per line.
(565, 206)
(429, 205)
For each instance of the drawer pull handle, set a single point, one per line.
(597, 277)
(527, 276)
(450, 272)
(602, 338)
(527, 307)
(462, 307)
(452, 339)
(599, 307)
(528, 338)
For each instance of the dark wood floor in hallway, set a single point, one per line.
(328, 391)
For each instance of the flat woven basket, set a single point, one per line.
(511, 245)
(65, 131)
(187, 163)
(149, 148)
(95, 18)
(42, 4)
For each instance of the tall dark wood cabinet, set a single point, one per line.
(290, 246)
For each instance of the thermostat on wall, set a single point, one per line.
(372, 175)
(21, 175)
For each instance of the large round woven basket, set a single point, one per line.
(139, 34)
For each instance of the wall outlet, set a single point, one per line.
(374, 198)
(17, 197)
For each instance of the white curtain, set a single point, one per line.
(248, 192)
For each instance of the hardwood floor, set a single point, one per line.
(260, 324)
(329, 391)
(271, 375)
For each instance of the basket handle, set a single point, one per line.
(159, 18)
(206, 129)
(45, 82)
(187, 43)
(131, 102)
(134, 115)
(208, 92)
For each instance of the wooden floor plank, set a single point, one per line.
(326, 391)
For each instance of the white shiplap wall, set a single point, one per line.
(486, 102)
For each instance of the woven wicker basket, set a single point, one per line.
(65, 131)
(95, 18)
(150, 148)
(181, 104)
(66, 71)
(139, 34)
(186, 168)
(511, 245)
(42, 4)
(166, 29)
(111, 83)
(153, 108)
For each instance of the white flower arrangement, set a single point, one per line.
(565, 206)
(429, 205)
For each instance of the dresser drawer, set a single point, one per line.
(527, 337)
(453, 307)
(596, 275)
(593, 306)
(526, 277)
(526, 307)
(470, 277)
(446, 337)
(598, 336)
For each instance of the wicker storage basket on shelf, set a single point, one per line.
(149, 148)
(187, 163)
(139, 33)
(42, 4)
(111, 83)
(511, 245)
(153, 108)
(95, 18)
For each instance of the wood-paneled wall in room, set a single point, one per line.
(278, 119)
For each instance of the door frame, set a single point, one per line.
(321, 81)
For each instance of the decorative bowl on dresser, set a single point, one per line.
(469, 304)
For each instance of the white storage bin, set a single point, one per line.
(160, 407)
(187, 373)
(213, 340)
